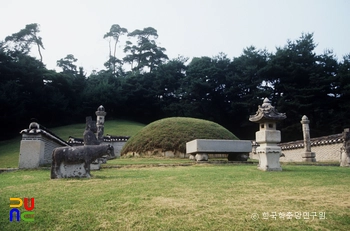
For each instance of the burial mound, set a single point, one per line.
(168, 137)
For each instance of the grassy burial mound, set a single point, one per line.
(168, 137)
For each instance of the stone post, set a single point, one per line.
(100, 113)
(307, 155)
(345, 152)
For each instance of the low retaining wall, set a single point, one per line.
(327, 149)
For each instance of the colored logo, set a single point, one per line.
(27, 215)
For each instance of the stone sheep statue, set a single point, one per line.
(76, 160)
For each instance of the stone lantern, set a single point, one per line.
(267, 137)
(100, 120)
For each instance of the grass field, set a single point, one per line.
(175, 194)
(195, 197)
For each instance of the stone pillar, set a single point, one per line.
(345, 152)
(307, 155)
(100, 113)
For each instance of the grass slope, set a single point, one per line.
(199, 197)
(9, 149)
(171, 134)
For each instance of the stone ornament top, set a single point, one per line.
(267, 112)
(304, 120)
(101, 111)
(34, 128)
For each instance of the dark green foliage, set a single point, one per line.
(296, 79)
(172, 134)
(146, 52)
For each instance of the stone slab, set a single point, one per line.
(31, 151)
(218, 146)
(73, 170)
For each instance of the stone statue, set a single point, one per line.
(75, 161)
(89, 133)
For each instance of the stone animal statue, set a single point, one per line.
(77, 155)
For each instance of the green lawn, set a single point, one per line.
(9, 153)
(196, 197)
(175, 194)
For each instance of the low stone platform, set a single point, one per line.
(73, 170)
(238, 150)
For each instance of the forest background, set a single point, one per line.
(145, 85)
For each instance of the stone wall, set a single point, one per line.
(325, 153)
(36, 147)
(327, 149)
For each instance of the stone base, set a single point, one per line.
(95, 166)
(201, 157)
(308, 157)
(237, 156)
(269, 161)
(344, 160)
(72, 171)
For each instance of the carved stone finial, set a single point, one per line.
(101, 111)
(34, 125)
(266, 103)
(100, 108)
(304, 120)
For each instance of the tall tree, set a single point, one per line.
(68, 64)
(343, 92)
(168, 83)
(114, 33)
(302, 84)
(146, 52)
(25, 38)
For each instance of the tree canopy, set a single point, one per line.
(221, 89)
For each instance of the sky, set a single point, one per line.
(190, 28)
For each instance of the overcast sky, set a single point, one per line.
(191, 28)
